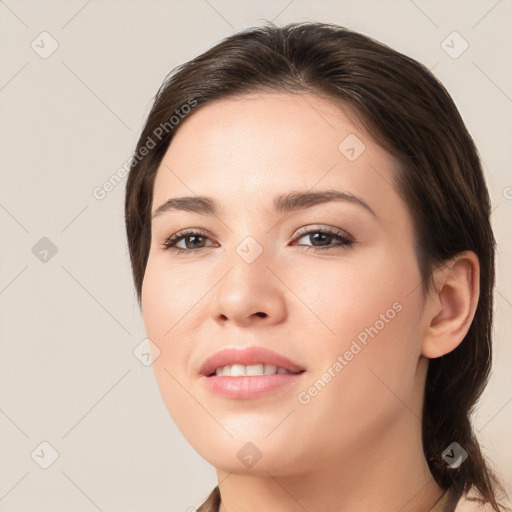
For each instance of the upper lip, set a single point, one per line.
(247, 356)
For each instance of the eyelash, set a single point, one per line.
(342, 236)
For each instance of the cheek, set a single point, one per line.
(169, 297)
(347, 296)
(363, 373)
(367, 314)
(168, 307)
(174, 303)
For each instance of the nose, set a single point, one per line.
(250, 293)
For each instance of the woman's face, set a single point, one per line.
(276, 274)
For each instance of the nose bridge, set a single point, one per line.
(251, 239)
(249, 288)
(249, 263)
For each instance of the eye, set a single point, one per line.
(325, 235)
(197, 239)
(197, 236)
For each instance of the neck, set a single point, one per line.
(389, 475)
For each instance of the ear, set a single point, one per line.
(451, 305)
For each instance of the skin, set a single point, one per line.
(356, 446)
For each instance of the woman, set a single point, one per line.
(314, 262)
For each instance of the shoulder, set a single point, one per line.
(472, 502)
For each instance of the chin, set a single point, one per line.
(258, 457)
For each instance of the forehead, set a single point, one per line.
(243, 150)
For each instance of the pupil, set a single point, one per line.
(321, 235)
(192, 237)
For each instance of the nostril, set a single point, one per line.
(262, 315)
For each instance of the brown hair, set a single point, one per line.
(439, 175)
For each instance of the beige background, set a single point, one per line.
(70, 324)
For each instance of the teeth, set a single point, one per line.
(239, 370)
(269, 369)
(253, 369)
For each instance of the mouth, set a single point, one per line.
(253, 370)
(249, 373)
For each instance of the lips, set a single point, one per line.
(247, 356)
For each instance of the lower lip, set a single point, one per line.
(244, 388)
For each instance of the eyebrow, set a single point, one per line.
(283, 203)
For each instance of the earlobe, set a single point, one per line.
(451, 304)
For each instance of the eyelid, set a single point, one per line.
(183, 233)
(171, 241)
(320, 227)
